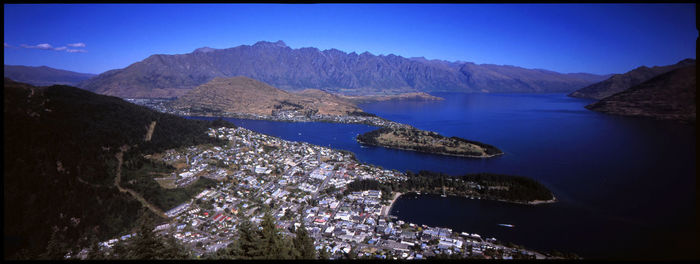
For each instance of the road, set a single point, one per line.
(320, 187)
(117, 181)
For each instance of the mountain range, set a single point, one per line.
(44, 76)
(335, 71)
(620, 82)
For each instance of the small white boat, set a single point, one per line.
(507, 225)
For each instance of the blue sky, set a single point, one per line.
(594, 38)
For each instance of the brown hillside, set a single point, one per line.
(245, 95)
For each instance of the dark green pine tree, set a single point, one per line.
(288, 251)
(323, 253)
(95, 252)
(56, 248)
(145, 245)
(303, 244)
(232, 251)
(172, 249)
(249, 244)
(119, 250)
(273, 246)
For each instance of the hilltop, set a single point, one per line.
(332, 70)
(620, 82)
(668, 96)
(245, 95)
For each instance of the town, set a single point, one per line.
(162, 105)
(302, 183)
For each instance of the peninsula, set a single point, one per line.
(427, 141)
(246, 98)
(488, 186)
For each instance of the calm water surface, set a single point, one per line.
(626, 186)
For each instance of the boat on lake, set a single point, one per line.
(506, 225)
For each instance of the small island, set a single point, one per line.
(427, 141)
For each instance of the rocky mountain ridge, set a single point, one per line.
(331, 70)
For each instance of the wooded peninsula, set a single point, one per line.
(427, 141)
(490, 186)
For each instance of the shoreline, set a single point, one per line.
(535, 202)
(435, 153)
(387, 208)
(370, 121)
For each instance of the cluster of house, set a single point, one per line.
(162, 105)
(302, 183)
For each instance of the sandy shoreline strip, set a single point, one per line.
(553, 200)
(436, 153)
(386, 209)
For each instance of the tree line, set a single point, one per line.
(145, 245)
(267, 242)
(517, 188)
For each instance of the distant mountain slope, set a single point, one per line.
(246, 95)
(397, 97)
(329, 70)
(44, 76)
(328, 103)
(668, 96)
(507, 79)
(620, 82)
(59, 163)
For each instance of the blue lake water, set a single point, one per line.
(626, 185)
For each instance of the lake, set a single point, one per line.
(626, 185)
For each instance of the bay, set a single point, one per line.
(626, 186)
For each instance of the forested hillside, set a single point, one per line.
(60, 145)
